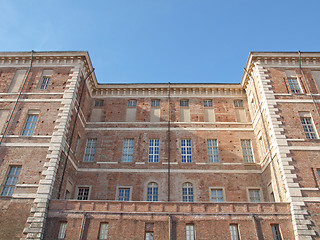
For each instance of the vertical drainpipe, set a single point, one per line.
(168, 136)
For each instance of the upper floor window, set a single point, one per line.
(294, 85)
(131, 112)
(45, 82)
(247, 151)
(240, 111)
(155, 103)
(127, 151)
(234, 232)
(187, 192)
(254, 195)
(238, 103)
(62, 230)
(124, 194)
(207, 103)
(103, 231)
(11, 181)
(186, 153)
(184, 103)
(98, 103)
(209, 115)
(90, 150)
(155, 110)
(83, 193)
(189, 232)
(132, 103)
(213, 154)
(308, 127)
(149, 231)
(276, 232)
(30, 125)
(153, 150)
(217, 195)
(152, 192)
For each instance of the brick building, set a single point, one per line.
(82, 160)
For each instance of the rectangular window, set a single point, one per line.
(187, 192)
(149, 231)
(254, 195)
(207, 103)
(247, 151)
(184, 103)
(276, 232)
(217, 195)
(30, 125)
(62, 230)
(240, 111)
(238, 103)
(83, 193)
(155, 103)
(90, 150)
(318, 171)
(11, 181)
(132, 103)
(17, 81)
(189, 232)
(308, 127)
(152, 192)
(154, 150)
(98, 103)
(127, 152)
(103, 231)
(149, 236)
(45, 82)
(186, 153)
(294, 85)
(213, 155)
(124, 194)
(234, 232)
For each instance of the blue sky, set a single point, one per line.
(160, 41)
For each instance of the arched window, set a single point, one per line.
(152, 193)
(187, 192)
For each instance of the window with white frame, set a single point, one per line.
(45, 82)
(186, 153)
(83, 193)
(153, 150)
(187, 192)
(247, 151)
(62, 230)
(30, 125)
(189, 232)
(124, 193)
(234, 232)
(103, 231)
(152, 192)
(213, 154)
(294, 85)
(308, 127)
(155, 103)
(184, 103)
(90, 150)
(276, 232)
(254, 195)
(127, 151)
(217, 195)
(207, 103)
(11, 181)
(132, 103)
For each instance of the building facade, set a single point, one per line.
(82, 160)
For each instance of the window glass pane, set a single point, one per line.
(62, 230)
(187, 192)
(124, 194)
(207, 103)
(238, 103)
(127, 151)
(30, 125)
(294, 85)
(103, 231)
(153, 150)
(152, 192)
(186, 152)
(189, 232)
(276, 232)
(254, 195)
(308, 127)
(132, 103)
(155, 103)
(83, 193)
(234, 232)
(184, 103)
(213, 154)
(217, 195)
(45, 83)
(11, 181)
(90, 150)
(247, 151)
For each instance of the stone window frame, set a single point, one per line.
(255, 189)
(77, 192)
(217, 188)
(124, 187)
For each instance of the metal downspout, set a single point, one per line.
(169, 141)
(15, 104)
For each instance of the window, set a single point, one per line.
(190, 232)
(234, 232)
(247, 151)
(90, 150)
(45, 82)
(98, 103)
(154, 150)
(238, 103)
(149, 231)
(123, 194)
(30, 125)
(308, 127)
(103, 231)
(155, 103)
(207, 103)
(76, 146)
(276, 232)
(254, 195)
(152, 193)
(318, 171)
(17, 81)
(187, 192)
(83, 193)
(186, 154)
(132, 103)
(11, 181)
(261, 143)
(294, 85)
(217, 195)
(184, 103)
(62, 230)
(127, 151)
(213, 154)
